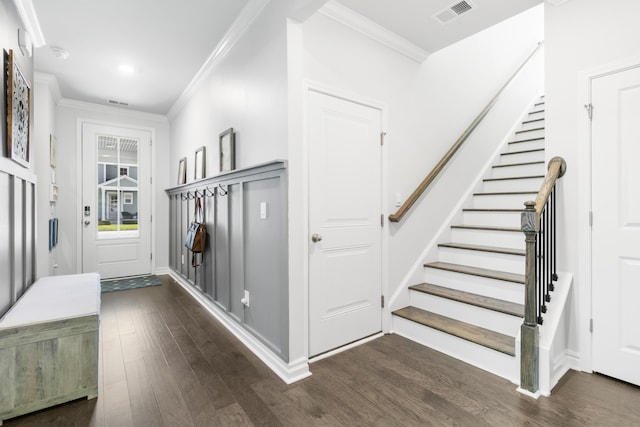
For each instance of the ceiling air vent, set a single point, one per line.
(453, 11)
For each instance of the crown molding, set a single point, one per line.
(242, 23)
(354, 20)
(107, 109)
(30, 20)
(52, 82)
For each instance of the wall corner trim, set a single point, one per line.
(354, 20)
(243, 22)
(52, 82)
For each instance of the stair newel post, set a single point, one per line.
(529, 330)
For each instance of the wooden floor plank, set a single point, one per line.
(157, 342)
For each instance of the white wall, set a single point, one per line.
(582, 37)
(44, 117)
(69, 175)
(428, 107)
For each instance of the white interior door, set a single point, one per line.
(616, 225)
(116, 206)
(345, 213)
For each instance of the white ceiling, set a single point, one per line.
(165, 41)
(168, 41)
(413, 19)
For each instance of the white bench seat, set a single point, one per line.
(49, 345)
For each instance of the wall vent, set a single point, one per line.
(453, 11)
(114, 102)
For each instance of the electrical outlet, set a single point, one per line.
(183, 259)
(246, 301)
(263, 210)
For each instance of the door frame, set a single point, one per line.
(314, 86)
(80, 121)
(585, 205)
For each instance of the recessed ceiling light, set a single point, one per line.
(125, 68)
(59, 52)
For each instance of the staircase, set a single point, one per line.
(470, 305)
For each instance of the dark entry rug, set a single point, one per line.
(111, 285)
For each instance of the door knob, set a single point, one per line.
(315, 237)
(87, 222)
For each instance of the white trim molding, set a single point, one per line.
(106, 109)
(354, 20)
(288, 372)
(30, 20)
(556, 2)
(52, 82)
(243, 22)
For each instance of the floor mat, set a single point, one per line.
(111, 285)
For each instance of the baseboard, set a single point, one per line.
(162, 271)
(288, 372)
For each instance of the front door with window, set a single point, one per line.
(116, 205)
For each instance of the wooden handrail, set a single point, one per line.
(555, 169)
(402, 210)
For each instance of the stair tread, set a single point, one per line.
(481, 248)
(487, 227)
(476, 271)
(505, 193)
(529, 130)
(491, 210)
(541, 138)
(511, 153)
(513, 177)
(485, 337)
(482, 301)
(533, 120)
(537, 111)
(518, 164)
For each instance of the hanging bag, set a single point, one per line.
(196, 234)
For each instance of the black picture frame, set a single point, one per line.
(18, 113)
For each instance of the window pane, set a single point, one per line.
(117, 187)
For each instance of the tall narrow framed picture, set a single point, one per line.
(18, 108)
(199, 165)
(227, 150)
(182, 171)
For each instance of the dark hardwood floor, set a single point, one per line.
(166, 362)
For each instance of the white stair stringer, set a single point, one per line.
(483, 262)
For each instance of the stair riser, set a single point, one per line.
(500, 289)
(526, 145)
(539, 115)
(492, 219)
(529, 184)
(492, 361)
(480, 259)
(531, 134)
(526, 157)
(502, 201)
(488, 319)
(502, 239)
(532, 125)
(520, 170)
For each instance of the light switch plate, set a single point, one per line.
(263, 210)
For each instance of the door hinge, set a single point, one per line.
(590, 218)
(150, 218)
(591, 325)
(381, 220)
(382, 301)
(150, 180)
(589, 108)
(382, 135)
(151, 256)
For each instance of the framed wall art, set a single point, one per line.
(227, 150)
(199, 165)
(18, 108)
(182, 171)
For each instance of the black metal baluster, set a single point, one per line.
(555, 272)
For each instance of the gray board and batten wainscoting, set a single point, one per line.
(245, 212)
